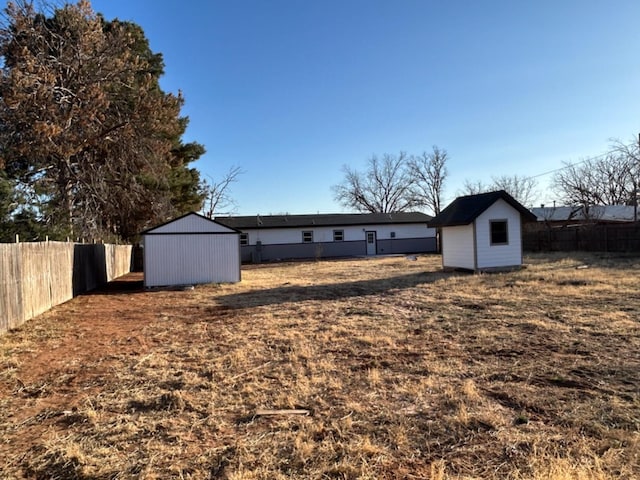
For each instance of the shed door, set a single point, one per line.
(371, 243)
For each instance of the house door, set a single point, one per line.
(371, 243)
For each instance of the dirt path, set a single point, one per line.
(80, 339)
(80, 344)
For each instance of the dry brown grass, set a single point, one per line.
(407, 372)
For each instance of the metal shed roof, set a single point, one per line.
(190, 223)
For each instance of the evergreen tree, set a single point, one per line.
(85, 127)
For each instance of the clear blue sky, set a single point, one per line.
(291, 90)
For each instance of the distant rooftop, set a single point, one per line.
(602, 213)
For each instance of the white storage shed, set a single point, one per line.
(482, 232)
(189, 250)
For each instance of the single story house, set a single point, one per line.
(190, 249)
(282, 237)
(482, 232)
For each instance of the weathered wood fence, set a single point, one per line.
(37, 276)
(590, 238)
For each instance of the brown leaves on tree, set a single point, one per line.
(85, 124)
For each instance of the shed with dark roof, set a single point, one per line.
(482, 232)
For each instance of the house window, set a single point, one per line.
(393, 234)
(244, 239)
(338, 235)
(499, 235)
(307, 236)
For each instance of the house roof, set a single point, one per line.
(191, 222)
(599, 213)
(464, 210)
(321, 220)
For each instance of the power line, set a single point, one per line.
(597, 157)
(561, 168)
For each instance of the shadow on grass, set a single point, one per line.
(334, 291)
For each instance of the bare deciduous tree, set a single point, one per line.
(385, 186)
(474, 187)
(217, 194)
(429, 172)
(523, 189)
(631, 152)
(609, 180)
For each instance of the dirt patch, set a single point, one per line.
(90, 326)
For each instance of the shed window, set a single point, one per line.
(499, 235)
(307, 236)
(338, 235)
(244, 239)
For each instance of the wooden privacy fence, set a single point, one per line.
(591, 238)
(37, 276)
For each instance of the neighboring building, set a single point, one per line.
(281, 237)
(482, 232)
(580, 215)
(604, 228)
(191, 249)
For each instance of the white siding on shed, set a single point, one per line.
(190, 259)
(191, 250)
(457, 247)
(508, 255)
